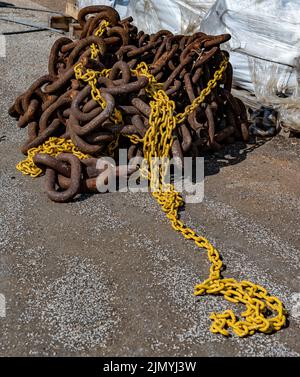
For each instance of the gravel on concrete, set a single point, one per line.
(107, 276)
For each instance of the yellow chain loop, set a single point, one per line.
(53, 147)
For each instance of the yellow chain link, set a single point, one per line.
(53, 147)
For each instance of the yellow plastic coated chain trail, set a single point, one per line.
(264, 313)
(157, 144)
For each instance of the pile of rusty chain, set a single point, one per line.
(154, 95)
(58, 105)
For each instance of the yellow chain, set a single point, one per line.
(113, 146)
(102, 28)
(205, 92)
(157, 144)
(53, 147)
(153, 86)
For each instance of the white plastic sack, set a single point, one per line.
(178, 16)
(87, 3)
(265, 49)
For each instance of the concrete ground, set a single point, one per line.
(107, 276)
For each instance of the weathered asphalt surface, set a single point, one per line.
(107, 276)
